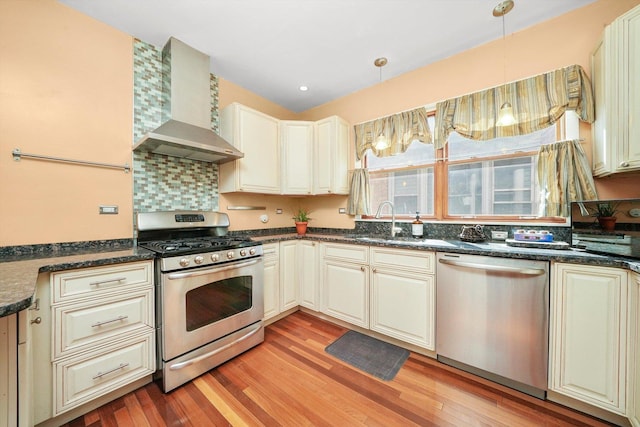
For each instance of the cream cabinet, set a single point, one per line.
(403, 295)
(95, 334)
(257, 136)
(634, 359)
(308, 274)
(271, 264)
(615, 72)
(331, 156)
(296, 145)
(345, 283)
(8, 371)
(288, 275)
(588, 335)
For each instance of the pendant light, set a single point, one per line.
(381, 142)
(505, 116)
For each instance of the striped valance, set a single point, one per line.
(537, 103)
(399, 130)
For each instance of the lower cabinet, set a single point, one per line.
(387, 290)
(588, 335)
(271, 262)
(290, 276)
(403, 295)
(93, 332)
(8, 371)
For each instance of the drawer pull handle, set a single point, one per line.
(102, 374)
(105, 282)
(117, 319)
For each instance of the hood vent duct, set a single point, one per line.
(186, 110)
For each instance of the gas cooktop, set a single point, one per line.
(195, 245)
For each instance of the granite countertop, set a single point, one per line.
(18, 274)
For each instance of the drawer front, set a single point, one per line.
(342, 252)
(84, 378)
(91, 282)
(418, 261)
(81, 325)
(271, 250)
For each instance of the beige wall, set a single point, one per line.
(66, 90)
(66, 86)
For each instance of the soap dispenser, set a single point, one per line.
(417, 226)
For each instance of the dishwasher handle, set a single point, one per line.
(489, 267)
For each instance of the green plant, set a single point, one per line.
(605, 209)
(302, 215)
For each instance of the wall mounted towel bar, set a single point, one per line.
(17, 155)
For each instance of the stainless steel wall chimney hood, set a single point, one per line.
(186, 110)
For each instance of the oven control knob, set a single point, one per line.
(243, 252)
(230, 254)
(215, 257)
(184, 262)
(252, 251)
(198, 259)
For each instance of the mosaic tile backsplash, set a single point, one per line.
(162, 182)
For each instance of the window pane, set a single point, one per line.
(410, 191)
(498, 187)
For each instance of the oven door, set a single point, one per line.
(202, 305)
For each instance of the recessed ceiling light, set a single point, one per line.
(303, 88)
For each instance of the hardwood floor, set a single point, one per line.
(289, 380)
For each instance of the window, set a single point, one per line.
(496, 178)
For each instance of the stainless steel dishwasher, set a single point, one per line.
(492, 319)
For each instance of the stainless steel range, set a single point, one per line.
(209, 291)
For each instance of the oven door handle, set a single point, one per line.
(181, 365)
(187, 274)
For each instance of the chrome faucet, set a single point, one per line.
(394, 229)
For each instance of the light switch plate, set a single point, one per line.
(108, 209)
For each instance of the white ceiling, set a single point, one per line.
(271, 47)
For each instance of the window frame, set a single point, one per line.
(565, 126)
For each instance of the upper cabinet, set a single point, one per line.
(615, 71)
(296, 143)
(284, 156)
(331, 156)
(257, 136)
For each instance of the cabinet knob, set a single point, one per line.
(37, 320)
(624, 164)
(375, 270)
(362, 268)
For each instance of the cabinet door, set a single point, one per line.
(402, 306)
(308, 274)
(296, 144)
(588, 334)
(288, 275)
(345, 291)
(256, 135)
(629, 81)
(604, 93)
(331, 156)
(8, 370)
(271, 280)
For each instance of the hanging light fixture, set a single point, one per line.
(505, 116)
(381, 142)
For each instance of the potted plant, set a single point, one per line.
(301, 218)
(605, 214)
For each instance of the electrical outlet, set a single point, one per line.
(342, 210)
(498, 235)
(278, 211)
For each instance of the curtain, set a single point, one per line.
(359, 198)
(537, 103)
(399, 129)
(564, 176)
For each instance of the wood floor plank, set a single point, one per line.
(289, 380)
